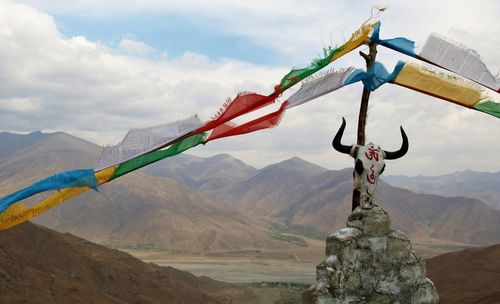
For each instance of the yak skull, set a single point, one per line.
(369, 163)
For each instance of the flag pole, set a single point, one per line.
(363, 109)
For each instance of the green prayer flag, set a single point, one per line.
(146, 159)
(489, 106)
(297, 75)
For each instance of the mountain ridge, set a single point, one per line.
(473, 184)
(234, 202)
(137, 208)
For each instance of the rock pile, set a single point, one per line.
(368, 262)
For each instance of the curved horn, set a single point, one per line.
(336, 143)
(402, 151)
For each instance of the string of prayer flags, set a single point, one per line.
(267, 121)
(141, 147)
(243, 103)
(445, 53)
(451, 88)
(399, 44)
(74, 178)
(18, 213)
(142, 141)
(319, 86)
(459, 59)
(376, 76)
(361, 36)
(152, 157)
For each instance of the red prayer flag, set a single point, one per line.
(267, 121)
(242, 104)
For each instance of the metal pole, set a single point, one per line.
(363, 109)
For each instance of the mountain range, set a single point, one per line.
(484, 186)
(220, 203)
(303, 194)
(138, 209)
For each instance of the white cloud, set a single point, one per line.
(52, 82)
(135, 47)
(15, 105)
(83, 85)
(301, 28)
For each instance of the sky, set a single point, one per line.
(95, 69)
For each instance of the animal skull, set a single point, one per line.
(369, 164)
(368, 167)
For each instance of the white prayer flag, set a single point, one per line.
(458, 59)
(319, 86)
(141, 141)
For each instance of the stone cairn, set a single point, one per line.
(368, 262)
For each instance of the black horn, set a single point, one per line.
(402, 151)
(337, 145)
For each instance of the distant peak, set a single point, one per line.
(296, 160)
(221, 156)
(299, 164)
(224, 157)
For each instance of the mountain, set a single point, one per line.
(46, 155)
(139, 209)
(38, 265)
(233, 212)
(469, 276)
(11, 143)
(484, 186)
(326, 206)
(136, 209)
(322, 202)
(269, 189)
(203, 174)
(305, 195)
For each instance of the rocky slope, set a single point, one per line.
(38, 265)
(468, 276)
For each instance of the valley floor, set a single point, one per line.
(255, 266)
(244, 266)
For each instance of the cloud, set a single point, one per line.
(131, 46)
(19, 105)
(52, 82)
(299, 29)
(83, 85)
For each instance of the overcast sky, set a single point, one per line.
(95, 69)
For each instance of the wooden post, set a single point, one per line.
(363, 109)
